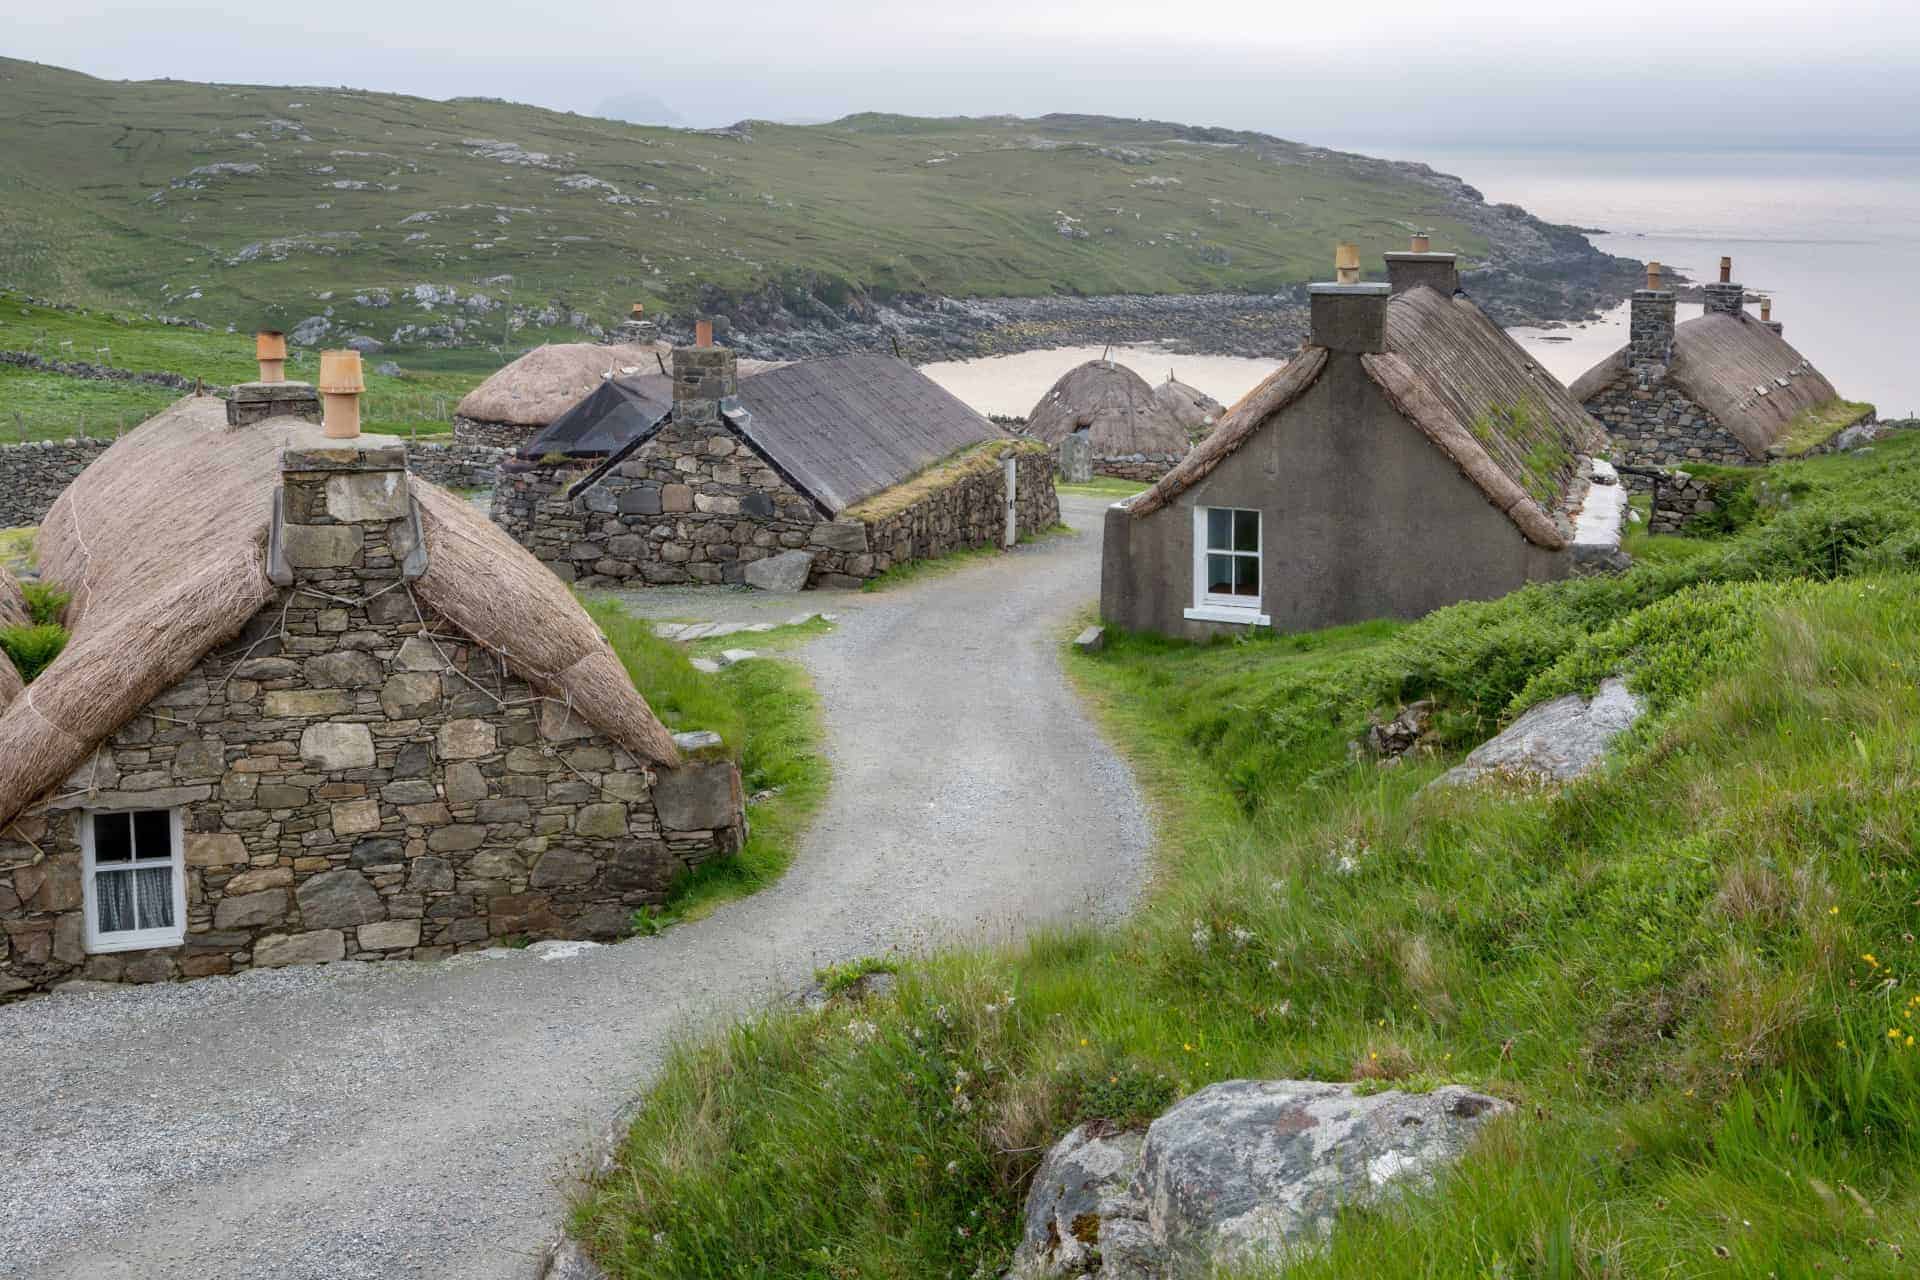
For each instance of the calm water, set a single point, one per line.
(1835, 239)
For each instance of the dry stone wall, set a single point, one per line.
(1652, 424)
(358, 781)
(491, 435)
(969, 513)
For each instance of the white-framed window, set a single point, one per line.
(136, 884)
(1226, 566)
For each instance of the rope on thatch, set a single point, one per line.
(161, 541)
(1114, 406)
(1280, 389)
(1422, 407)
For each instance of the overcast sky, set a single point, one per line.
(1387, 73)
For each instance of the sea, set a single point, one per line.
(1832, 236)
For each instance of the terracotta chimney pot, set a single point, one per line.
(1421, 244)
(639, 311)
(1726, 270)
(1346, 263)
(341, 383)
(703, 333)
(1653, 275)
(270, 349)
(1766, 308)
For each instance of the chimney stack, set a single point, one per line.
(1725, 297)
(341, 383)
(1650, 322)
(1420, 265)
(1766, 316)
(1348, 315)
(270, 348)
(703, 376)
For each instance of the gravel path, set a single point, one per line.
(421, 1120)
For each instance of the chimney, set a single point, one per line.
(273, 396)
(1725, 297)
(639, 312)
(340, 386)
(1766, 316)
(703, 376)
(1348, 315)
(1420, 265)
(346, 525)
(1421, 243)
(270, 348)
(1650, 326)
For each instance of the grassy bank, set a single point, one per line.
(769, 716)
(1694, 971)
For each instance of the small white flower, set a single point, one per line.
(953, 1166)
(1241, 937)
(1347, 865)
(943, 1016)
(1202, 935)
(862, 1032)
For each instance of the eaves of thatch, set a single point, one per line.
(162, 543)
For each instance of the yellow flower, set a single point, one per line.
(1893, 1033)
(1083, 1042)
(1833, 911)
(1868, 957)
(1187, 1047)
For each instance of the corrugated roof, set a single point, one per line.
(846, 427)
(611, 415)
(1747, 376)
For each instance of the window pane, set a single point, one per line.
(113, 895)
(1246, 531)
(112, 837)
(1220, 575)
(1246, 577)
(153, 834)
(153, 888)
(1219, 529)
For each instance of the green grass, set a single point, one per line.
(1104, 487)
(99, 210)
(769, 716)
(913, 571)
(1817, 424)
(1684, 969)
(16, 549)
(778, 640)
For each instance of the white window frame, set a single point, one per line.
(134, 939)
(1208, 607)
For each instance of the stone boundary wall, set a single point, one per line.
(969, 513)
(96, 372)
(1142, 467)
(1653, 425)
(33, 474)
(492, 435)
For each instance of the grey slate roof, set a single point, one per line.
(613, 414)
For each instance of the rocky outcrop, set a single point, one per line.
(1240, 1173)
(1556, 741)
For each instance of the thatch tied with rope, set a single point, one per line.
(547, 381)
(162, 543)
(1196, 411)
(1122, 417)
(1748, 377)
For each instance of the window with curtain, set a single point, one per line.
(1226, 565)
(135, 884)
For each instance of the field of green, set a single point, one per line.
(244, 204)
(36, 405)
(1695, 971)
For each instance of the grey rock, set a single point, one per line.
(1092, 640)
(1556, 741)
(841, 535)
(309, 331)
(387, 369)
(366, 346)
(330, 747)
(700, 743)
(729, 657)
(378, 852)
(251, 910)
(1237, 1175)
(338, 900)
(317, 947)
(698, 797)
(785, 572)
(1076, 458)
(562, 867)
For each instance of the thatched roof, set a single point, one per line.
(1114, 406)
(547, 381)
(1455, 375)
(1752, 380)
(162, 543)
(13, 605)
(1195, 410)
(846, 427)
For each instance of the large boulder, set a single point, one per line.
(1239, 1174)
(1556, 741)
(785, 572)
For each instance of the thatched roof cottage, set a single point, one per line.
(1411, 455)
(1132, 434)
(1196, 411)
(1722, 387)
(320, 710)
(821, 473)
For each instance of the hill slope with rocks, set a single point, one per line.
(336, 212)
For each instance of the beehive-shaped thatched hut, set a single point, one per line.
(521, 398)
(314, 714)
(1196, 411)
(1132, 434)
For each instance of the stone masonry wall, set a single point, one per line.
(358, 781)
(1653, 424)
(969, 513)
(1143, 467)
(32, 475)
(491, 435)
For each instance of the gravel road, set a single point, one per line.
(409, 1120)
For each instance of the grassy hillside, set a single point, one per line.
(1695, 972)
(407, 219)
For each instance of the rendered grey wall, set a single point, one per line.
(1362, 518)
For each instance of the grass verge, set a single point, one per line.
(769, 716)
(1104, 487)
(1695, 971)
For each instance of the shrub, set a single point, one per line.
(46, 602)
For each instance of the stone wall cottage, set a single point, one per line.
(1722, 387)
(1134, 434)
(312, 710)
(1410, 456)
(785, 478)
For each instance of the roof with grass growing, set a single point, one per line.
(151, 598)
(1506, 423)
